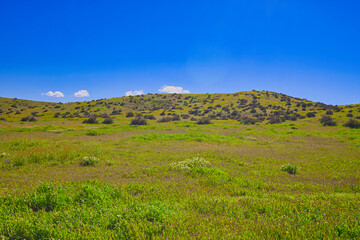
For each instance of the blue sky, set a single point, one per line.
(307, 49)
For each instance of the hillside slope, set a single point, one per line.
(247, 107)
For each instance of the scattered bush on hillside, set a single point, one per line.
(204, 120)
(138, 120)
(349, 115)
(2, 119)
(193, 119)
(108, 121)
(130, 114)
(29, 119)
(91, 120)
(301, 116)
(311, 114)
(104, 115)
(352, 123)
(185, 116)
(150, 117)
(291, 169)
(327, 121)
(176, 117)
(165, 119)
(329, 112)
(247, 120)
(275, 120)
(116, 112)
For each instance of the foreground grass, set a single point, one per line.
(98, 210)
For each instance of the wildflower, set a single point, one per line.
(190, 163)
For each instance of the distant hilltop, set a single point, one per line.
(247, 107)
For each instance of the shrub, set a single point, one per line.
(2, 119)
(310, 114)
(91, 120)
(247, 120)
(185, 116)
(204, 120)
(301, 116)
(327, 121)
(29, 119)
(108, 121)
(275, 120)
(165, 119)
(116, 112)
(138, 120)
(130, 114)
(104, 115)
(88, 161)
(150, 117)
(56, 115)
(349, 115)
(193, 119)
(176, 117)
(291, 169)
(329, 112)
(352, 123)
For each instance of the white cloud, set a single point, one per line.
(172, 89)
(81, 93)
(53, 94)
(134, 93)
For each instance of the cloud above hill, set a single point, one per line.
(82, 93)
(172, 89)
(134, 93)
(53, 94)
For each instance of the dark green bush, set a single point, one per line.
(204, 120)
(108, 121)
(352, 123)
(130, 114)
(327, 121)
(310, 114)
(91, 120)
(165, 119)
(29, 119)
(138, 120)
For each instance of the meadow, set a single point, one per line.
(248, 165)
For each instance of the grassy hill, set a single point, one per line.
(246, 107)
(248, 165)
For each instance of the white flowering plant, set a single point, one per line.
(190, 163)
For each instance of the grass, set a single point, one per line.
(62, 179)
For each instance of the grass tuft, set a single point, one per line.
(291, 169)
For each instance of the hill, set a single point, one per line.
(245, 107)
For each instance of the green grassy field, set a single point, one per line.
(232, 179)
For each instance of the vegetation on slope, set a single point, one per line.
(268, 166)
